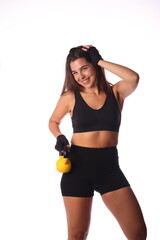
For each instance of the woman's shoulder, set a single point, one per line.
(68, 99)
(68, 96)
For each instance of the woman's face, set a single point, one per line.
(84, 73)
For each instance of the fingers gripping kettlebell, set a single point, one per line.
(63, 164)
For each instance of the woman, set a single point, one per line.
(95, 108)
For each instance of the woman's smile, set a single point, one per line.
(85, 81)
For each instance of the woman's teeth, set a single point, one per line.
(85, 81)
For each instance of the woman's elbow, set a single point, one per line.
(52, 125)
(135, 79)
(49, 124)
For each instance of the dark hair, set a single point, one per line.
(71, 85)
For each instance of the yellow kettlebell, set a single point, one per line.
(63, 164)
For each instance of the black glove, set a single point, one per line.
(94, 55)
(61, 143)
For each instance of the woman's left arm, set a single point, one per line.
(129, 78)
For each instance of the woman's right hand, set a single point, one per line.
(62, 144)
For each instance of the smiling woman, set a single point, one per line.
(84, 73)
(95, 107)
(79, 70)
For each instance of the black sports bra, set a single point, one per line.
(87, 119)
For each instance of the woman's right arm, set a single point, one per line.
(62, 108)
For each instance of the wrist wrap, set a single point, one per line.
(94, 55)
(61, 143)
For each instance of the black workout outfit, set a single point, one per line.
(94, 168)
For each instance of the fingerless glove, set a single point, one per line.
(94, 55)
(61, 143)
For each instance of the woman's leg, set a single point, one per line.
(78, 211)
(124, 206)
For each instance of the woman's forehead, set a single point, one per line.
(78, 63)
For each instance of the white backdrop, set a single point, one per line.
(35, 37)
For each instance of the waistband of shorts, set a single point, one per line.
(93, 149)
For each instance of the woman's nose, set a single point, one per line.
(81, 76)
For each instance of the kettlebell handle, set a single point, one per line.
(64, 153)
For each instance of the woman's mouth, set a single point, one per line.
(85, 81)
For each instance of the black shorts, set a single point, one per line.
(92, 169)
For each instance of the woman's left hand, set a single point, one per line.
(86, 47)
(93, 53)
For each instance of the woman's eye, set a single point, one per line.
(85, 68)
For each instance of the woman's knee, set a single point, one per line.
(139, 233)
(78, 235)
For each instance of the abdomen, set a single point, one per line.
(95, 139)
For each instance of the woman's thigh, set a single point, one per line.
(78, 212)
(125, 207)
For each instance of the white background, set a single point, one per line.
(35, 37)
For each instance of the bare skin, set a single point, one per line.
(122, 203)
(78, 211)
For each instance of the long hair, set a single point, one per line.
(71, 85)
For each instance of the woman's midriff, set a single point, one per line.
(96, 139)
